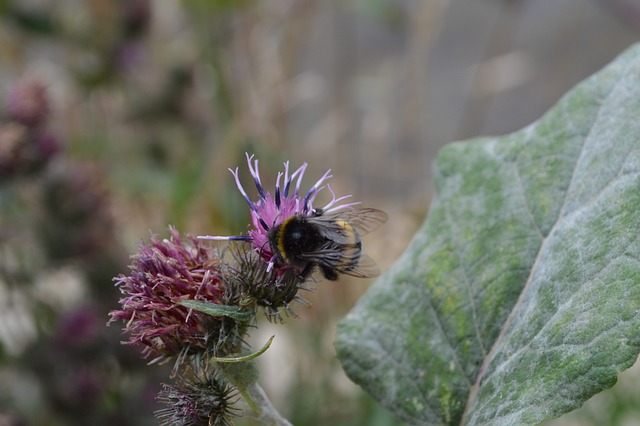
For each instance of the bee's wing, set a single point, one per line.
(365, 268)
(343, 252)
(350, 261)
(363, 220)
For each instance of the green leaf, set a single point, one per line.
(234, 312)
(244, 357)
(519, 298)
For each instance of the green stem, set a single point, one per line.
(242, 373)
(262, 408)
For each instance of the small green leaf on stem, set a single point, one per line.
(234, 312)
(244, 358)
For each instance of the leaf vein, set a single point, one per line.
(440, 326)
(402, 367)
(525, 200)
(470, 297)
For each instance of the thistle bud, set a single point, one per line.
(200, 402)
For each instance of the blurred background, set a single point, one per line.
(121, 117)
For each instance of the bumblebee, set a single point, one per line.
(328, 241)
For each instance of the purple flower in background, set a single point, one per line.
(164, 273)
(47, 145)
(271, 210)
(137, 16)
(78, 328)
(27, 103)
(25, 144)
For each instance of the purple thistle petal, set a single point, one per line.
(245, 238)
(300, 173)
(256, 177)
(242, 191)
(277, 195)
(287, 179)
(342, 206)
(334, 200)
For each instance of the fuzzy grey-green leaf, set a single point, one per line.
(234, 312)
(518, 299)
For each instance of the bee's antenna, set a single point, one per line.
(276, 218)
(262, 247)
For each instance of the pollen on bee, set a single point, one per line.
(348, 229)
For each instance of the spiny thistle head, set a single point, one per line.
(204, 401)
(164, 273)
(251, 282)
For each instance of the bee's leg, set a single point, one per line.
(307, 270)
(329, 273)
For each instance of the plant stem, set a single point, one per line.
(261, 407)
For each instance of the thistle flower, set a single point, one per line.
(26, 146)
(163, 273)
(27, 103)
(203, 402)
(78, 328)
(271, 210)
(77, 221)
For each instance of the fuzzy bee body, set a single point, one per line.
(330, 241)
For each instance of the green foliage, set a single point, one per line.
(518, 299)
(235, 312)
